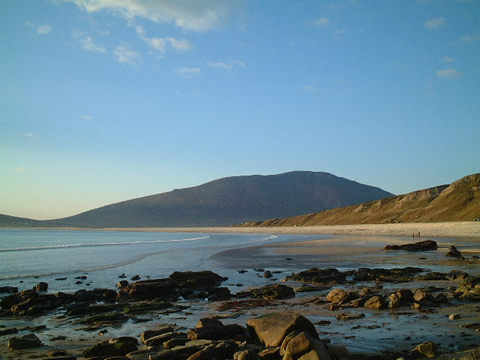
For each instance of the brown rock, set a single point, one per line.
(420, 295)
(394, 301)
(24, 342)
(273, 292)
(429, 349)
(149, 289)
(304, 347)
(41, 286)
(375, 302)
(417, 246)
(337, 296)
(271, 329)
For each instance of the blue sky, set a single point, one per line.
(107, 100)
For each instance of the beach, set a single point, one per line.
(266, 257)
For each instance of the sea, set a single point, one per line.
(70, 259)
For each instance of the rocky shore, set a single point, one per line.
(318, 313)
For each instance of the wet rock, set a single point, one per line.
(405, 295)
(149, 289)
(24, 342)
(165, 328)
(122, 284)
(8, 289)
(420, 295)
(428, 349)
(112, 347)
(246, 355)
(176, 341)
(454, 316)
(304, 346)
(453, 252)
(135, 278)
(220, 350)
(8, 331)
(337, 296)
(272, 292)
(394, 301)
(395, 275)
(41, 286)
(457, 275)
(424, 245)
(267, 274)
(158, 340)
(213, 329)
(346, 317)
(219, 293)
(81, 277)
(102, 320)
(375, 302)
(320, 276)
(196, 280)
(271, 329)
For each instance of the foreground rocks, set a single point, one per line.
(28, 341)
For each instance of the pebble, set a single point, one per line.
(454, 316)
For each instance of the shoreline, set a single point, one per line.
(466, 229)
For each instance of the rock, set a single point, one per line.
(158, 340)
(8, 331)
(420, 295)
(424, 245)
(428, 349)
(162, 329)
(246, 355)
(8, 289)
(375, 302)
(176, 341)
(319, 276)
(272, 353)
(24, 342)
(267, 274)
(271, 329)
(41, 286)
(337, 296)
(213, 329)
(196, 280)
(273, 292)
(395, 275)
(163, 289)
(112, 347)
(122, 284)
(454, 316)
(304, 347)
(346, 317)
(394, 301)
(453, 252)
(135, 278)
(221, 350)
(219, 293)
(405, 295)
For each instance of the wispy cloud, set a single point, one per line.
(449, 74)
(435, 23)
(470, 38)
(323, 21)
(187, 72)
(448, 59)
(180, 44)
(86, 117)
(40, 29)
(126, 55)
(160, 44)
(310, 88)
(30, 135)
(185, 14)
(226, 65)
(20, 169)
(89, 44)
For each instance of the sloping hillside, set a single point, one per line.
(232, 200)
(13, 221)
(456, 202)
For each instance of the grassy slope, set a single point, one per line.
(456, 202)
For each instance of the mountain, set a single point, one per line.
(455, 202)
(13, 221)
(232, 200)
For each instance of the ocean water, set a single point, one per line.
(30, 256)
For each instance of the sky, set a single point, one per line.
(107, 100)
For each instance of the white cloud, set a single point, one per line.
(448, 59)
(43, 29)
(310, 88)
(125, 55)
(470, 38)
(21, 169)
(89, 44)
(86, 117)
(226, 65)
(30, 135)
(180, 44)
(449, 73)
(186, 14)
(187, 72)
(156, 43)
(435, 23)
(323, 21)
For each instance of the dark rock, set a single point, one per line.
(220, 293)
(122, 284)
(8, 331)
(405, 295)
(213, 329)
(346, 317)
(41, 286)
(61, 279)
(396, 275)
(428, 349)
(82, 277)
(246, 355)
(149, 289)
(453, 252)
(267, 274)
(196, 280)
(165, 328)
(272, 292)
(424, 245)
(271, 329)
(135, 278)
(112, 347)
(175, 341)
(8, 289)
(272, 353)
(219, 351)
(24, 342)
(319, 276)
(158, 340)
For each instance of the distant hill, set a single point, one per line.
(231, 201)
(456, 202)
(13, 221)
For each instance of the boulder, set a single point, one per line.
(405, 295)
(122, 284)
(8, 289)
(246, 355)
(196, 279)
(271, 329)
(24, 342)
(337, 296)
(273, 292)
(420, 295)
(149, 289)
(320, 276)
(453, 252)
(395, 275)
(158, 340)
(303, 346)
(424, 245)
(428, 349)
(394, 301)
(375, 302)
(213, 329)
(113, 347)
(41, 286)
(162, 329)
(219, 351)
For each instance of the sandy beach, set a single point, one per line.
(441, 229)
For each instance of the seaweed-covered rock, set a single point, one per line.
(273, 292)
(320, 276)
(395, 275)
(424, 245)
(113, 347)
(214, 329)
(271, 329)
(196, 279)
(149, 289)
(24, 342)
